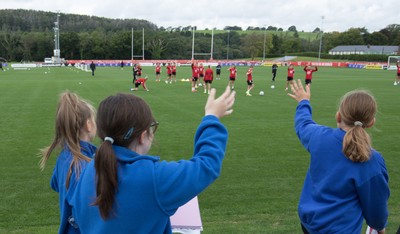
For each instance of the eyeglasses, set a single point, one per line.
(154, 126)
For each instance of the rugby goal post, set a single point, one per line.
(203, 54)
(132, 45)
(392, 61)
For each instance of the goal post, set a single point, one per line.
(392, 61)
(203, 54)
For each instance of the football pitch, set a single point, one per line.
(264, 166)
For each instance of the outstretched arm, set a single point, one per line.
(304, 125)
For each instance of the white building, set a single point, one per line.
(365, 49)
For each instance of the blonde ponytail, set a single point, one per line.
(357, 144)
(71, 116)
(357, 110)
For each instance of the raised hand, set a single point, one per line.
(221, 106)
(298, 92)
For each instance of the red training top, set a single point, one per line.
(232, 72)
(195, 72)
(141, 80)
(201, 70)
(290, 72)
(209, 75)
(169, 69)
(309, 72)
(250, 74)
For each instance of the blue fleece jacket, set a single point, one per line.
(149, 190)
(58, 183)
(338, 194)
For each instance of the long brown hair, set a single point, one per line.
(122, 117)
(72, 114)
(357, 110)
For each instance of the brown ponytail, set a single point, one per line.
(71, 116)
(357, 110)
(123, 118)
(107, 180)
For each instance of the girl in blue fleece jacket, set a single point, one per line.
(124, 190)
(75, 129)
(347, 180)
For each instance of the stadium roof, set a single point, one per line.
(366, 49)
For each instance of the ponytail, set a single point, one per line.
(71, 116)
(357, 144)
(357, 111)
(107, 180)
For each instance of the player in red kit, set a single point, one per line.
(232, 76)
(195, 76)
(250, 84)
(397, 81)
(290, 76)
(201, 75)
(208, 79)
(158, 72)
(140, 81)
(173, 72)
(169, 73)
(309, 71)
(139, 70)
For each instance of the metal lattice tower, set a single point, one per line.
(56, 58)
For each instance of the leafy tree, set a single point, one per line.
(276, 44)
(291, 45)
(316, 30)
(331, 40)
(392, 32)
(351, 37)
(85, 47)
(120, 45)
(156, 48)
(11, 46)
(233, 28)
(69, 45)
(252, 45)
(292, 29)
(99, 43)
(377, 38)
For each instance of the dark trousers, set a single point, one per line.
(273, 76)
(398, 231)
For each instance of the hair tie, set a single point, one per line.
(358, 123)
(109, 139)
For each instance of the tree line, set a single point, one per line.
(28, 35)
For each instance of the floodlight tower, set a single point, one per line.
(265, 37)
(56, 57)
(320, 39)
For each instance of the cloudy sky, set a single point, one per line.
(306, 15)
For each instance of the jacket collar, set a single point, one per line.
(126, 155)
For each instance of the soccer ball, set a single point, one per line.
(272, 86)
(261, 93)
(395, 83)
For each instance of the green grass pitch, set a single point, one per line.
(265, 163)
